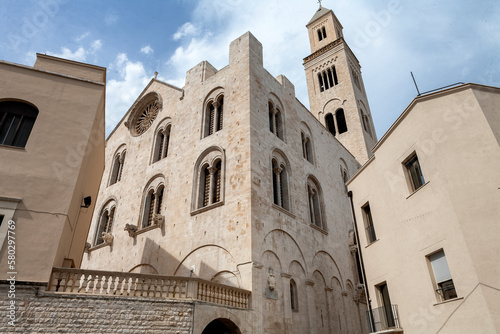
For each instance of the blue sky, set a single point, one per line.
(442, 42)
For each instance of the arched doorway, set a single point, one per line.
(221, 326)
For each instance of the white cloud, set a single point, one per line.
(187, 29)
(96, 46)
(147, 50)
(110, 19)
(82, 36)
(78, 55)
(124, 90)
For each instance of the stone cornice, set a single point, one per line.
(324, 49)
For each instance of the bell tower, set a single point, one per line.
(337, 94)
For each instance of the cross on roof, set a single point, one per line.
(319, 1)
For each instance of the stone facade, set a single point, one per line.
(42, 312)
(334, 83)
(279, 223)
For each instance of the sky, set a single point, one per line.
(441, 41)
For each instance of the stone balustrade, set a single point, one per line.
(122, 284)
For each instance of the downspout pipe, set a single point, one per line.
(368, 300)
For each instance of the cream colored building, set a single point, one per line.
(427, 209)
(52, 157)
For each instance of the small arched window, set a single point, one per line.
(321, 33)
(117, 167)
(366, 124)
(105, 222)
(341, 123)
(330, 123)
(275, 120)
(294, 302)
(161, 143)
(214, 116)
(16, 122)
(345, 177)
(321, 83)
(280, 183)
(306, 147)
(209, 182)
(153, 205)
(315, 203)
(327, 78)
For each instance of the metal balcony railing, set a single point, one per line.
(121, 284)
(385, 317)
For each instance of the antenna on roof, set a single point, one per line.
(415, 82)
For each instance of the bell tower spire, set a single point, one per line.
(337, 94)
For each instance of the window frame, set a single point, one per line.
(294, 296)
(327, 78)
(213, 119)
(281, 175)
(307, 146)
(408, 165)
(154, 187)
(116, 169)
(108, 207)
(371, 235)
(315, 204)
(22, 132)
(166, 131)
(8, 207)
(276, 119)
(208, 159)
(439, 289)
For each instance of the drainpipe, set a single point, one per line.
(372, 321)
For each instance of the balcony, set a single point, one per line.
(385, 320)
(121, 284)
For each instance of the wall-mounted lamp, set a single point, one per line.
(86, 202)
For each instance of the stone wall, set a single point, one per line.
(38, 311)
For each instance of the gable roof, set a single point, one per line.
(319, 13)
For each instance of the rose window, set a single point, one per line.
(147, 117)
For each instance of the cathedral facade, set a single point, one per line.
(226, 206)
(232, 180)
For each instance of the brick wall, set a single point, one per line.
(48, 313)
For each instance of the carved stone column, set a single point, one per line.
(277, 173)
(311, 204)
(332, 315)
(212, 171)
(121, 160)
(287, 309)
(258, 298)
(216, 105)
(311, 307)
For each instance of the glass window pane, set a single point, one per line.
(440, 267)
